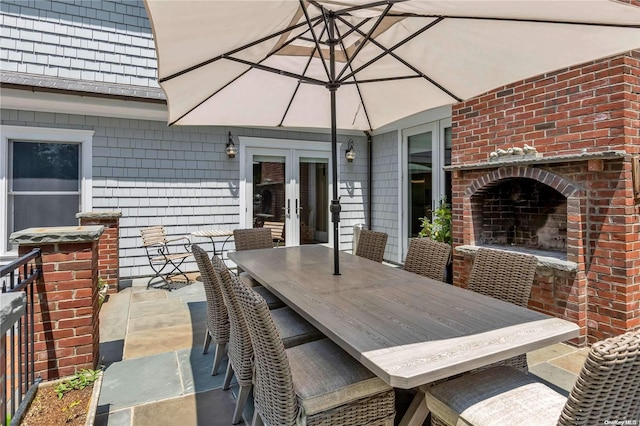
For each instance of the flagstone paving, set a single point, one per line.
(156, 374)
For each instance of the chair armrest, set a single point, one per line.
(178, 239)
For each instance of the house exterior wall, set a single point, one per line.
(385, 196)
(178, 177)
(105, 41)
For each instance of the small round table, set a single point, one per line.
(212, 234)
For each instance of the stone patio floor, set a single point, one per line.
(155, 372)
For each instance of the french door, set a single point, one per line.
(288, 187)
(426, 150)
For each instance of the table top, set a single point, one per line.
(407, 329)
(211, 233)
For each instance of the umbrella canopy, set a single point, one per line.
(357, 64)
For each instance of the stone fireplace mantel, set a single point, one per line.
(545, 259)
(519, 161)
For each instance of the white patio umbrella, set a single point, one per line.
(361, 64)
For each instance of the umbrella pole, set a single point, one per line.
(335, 202)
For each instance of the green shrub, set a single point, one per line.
(438, 229)
(81, 380)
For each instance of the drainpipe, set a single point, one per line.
(369, 178)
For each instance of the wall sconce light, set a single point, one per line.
(350, 154)
(231, 149)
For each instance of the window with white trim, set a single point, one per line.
(47, 177)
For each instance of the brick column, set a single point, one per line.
(66, 306)
(108, 246)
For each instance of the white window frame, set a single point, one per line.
(43, 134)
(437, 127)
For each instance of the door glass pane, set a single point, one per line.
(269, 194)
(314, 198)
(45, 166)
(420, 179)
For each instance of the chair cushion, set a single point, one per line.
(248, 280)
(325, 377)
(499, 395)
(293, 329)
(272, 301)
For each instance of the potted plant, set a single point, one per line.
(438, 228)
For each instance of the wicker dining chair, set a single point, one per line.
(252, 238)
(217, 316)
(371, 245)
(292, 329)
(316, 383)
(218, 327)
(607, 390)
(507, 276)
(428, 258)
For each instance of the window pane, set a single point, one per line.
(420, 179)
(45, 166)
(44, 210)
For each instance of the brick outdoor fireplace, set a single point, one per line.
(574, 204)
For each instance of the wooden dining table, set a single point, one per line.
(407, 329)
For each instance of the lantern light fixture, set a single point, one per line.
(350, 154)
(231, 149)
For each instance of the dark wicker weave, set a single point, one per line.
(294, 332)
(252, 239)
(609, 384)
(218, 327)
(371, 245)
(428, 258)
(507, 276)
(607, 390)
(274, 395)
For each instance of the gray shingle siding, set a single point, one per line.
(105, 41)
(178, 177)
(384, 181)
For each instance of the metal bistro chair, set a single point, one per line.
(371, 245)
(428, 258)
(315, 383)
(292, 329)
(277, 231)
(161, 255)
(507, 276)
(607, 390)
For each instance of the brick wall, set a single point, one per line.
(108, 245)
(66, 310)
(590, 108)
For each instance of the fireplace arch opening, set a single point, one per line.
(520, 212)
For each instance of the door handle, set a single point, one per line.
(287, 209)
(298, 208)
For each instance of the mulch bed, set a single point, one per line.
(47, 409)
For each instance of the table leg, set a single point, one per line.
(418, 411)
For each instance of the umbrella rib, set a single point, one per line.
(532, 20)
(315, 37)
(234, 80)
(387, 51)
(364, 108)
(405, 63)
(364, 41)
(236, 50)
(382, 79)
(295, 91)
